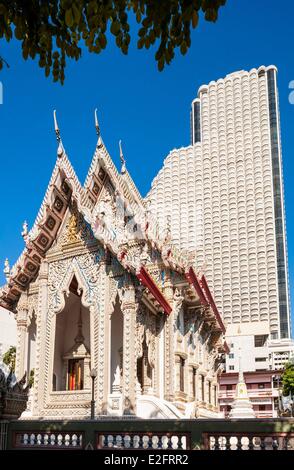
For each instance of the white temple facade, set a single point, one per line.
(98, 286)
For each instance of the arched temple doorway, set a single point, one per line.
(71, 365)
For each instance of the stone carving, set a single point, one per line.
(76, 230)
(72, 229)
(13, 395)
(86, 270)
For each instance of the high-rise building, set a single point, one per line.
(223, 199)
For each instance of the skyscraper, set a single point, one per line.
(226, 199)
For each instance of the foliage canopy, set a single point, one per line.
(54, 30)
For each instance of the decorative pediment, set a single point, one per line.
(75, 232)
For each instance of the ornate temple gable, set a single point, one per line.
(102, 172)
(63, 186)
(101, 166)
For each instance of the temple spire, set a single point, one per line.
(122, 159)
(97, 127)
(60, 149)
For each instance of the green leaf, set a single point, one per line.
(195, 18)
(76, 13)
(18, 33)
(140, 43)
(115, 28)
(183, 48)
(102, 40)
(160, 64)
(69, 20)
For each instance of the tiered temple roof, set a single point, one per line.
(65, 187)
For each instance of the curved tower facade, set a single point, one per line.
(224, 198)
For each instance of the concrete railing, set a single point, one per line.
(132, 433)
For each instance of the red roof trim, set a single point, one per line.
(147, 281)
(212, 304)
(227, 349)
(192, 279)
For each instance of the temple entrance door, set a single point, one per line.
(71, 365)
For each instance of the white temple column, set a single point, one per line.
(169, 357)
(21, 322)
(177, 372)
(191, 380)
(129, 309)
(161, 361)
(41, 340)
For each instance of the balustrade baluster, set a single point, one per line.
(216, 442)
(275, 443)
(170, 444)
(262, 443)
(285, 443)
(250, 443)
(228, 443)
(239, 442)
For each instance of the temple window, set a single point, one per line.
(209, 392)
(202, 388)
(75, 374)
(194, 377)
(182, 374)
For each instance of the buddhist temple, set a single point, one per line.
(99, 287)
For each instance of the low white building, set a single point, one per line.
(280, 352)
(258, 352)
(251, 341)
(7, 330)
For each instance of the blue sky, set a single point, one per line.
(148, 110)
